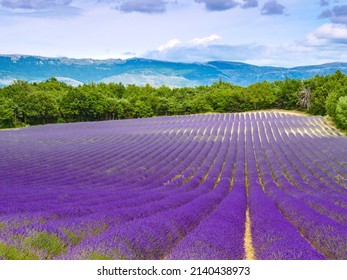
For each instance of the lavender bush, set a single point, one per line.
(184, 187)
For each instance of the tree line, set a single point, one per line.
(52, 101)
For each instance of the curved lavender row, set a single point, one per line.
(150, 161)
(324, 234)
(179, 152)
(304, 158)
(316, 201)
(326, 198)
(83, 176)
(90, 204)
(221, 234)
(320, 203)
(113, 206)
(55, 182)
(273, 237)
(281, 150)
(329, 169)
(334, 145)
(138, 200)
(154, 237)
(124, 215)
(330, 172)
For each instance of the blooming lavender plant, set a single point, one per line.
(181, 187)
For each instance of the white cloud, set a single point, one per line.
(218, 5)
(171, 44)
(39, 8)
(328, 33)
(315, 49)
(33, 4)
(196, 49)
(143, 6)
(212, 39)
(177, 45)
(202, 49)
(272, 8)
(196, 42)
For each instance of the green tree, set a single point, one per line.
(341, 112)
(142, 109)
(337, 88)
(41, 108)
(200, 105)
(73, 105)
(7, 115)
(124, 109)
(18, 92)
(287, 94)
(261, 95)
(162, 108)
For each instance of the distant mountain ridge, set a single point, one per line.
(154, 72)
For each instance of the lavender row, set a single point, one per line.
(318, 201)
(323, 233)
(221, 234)
(153, 235)
(149, 209)
(273, 237)
(307, 157)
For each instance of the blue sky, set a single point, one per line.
(262, 32)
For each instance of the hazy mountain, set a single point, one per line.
(141, 71)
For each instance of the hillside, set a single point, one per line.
(259, 185)
(142, 71)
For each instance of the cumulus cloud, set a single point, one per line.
(213, 39)
(144, 6)
(212, 48)
(34, 4)
(340, 14)
(328, 33)
(324, 3)
(272, 8)
(325, 14)
(218, 5)
(249, 4)
(202, 49)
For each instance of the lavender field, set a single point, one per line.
(260, 185)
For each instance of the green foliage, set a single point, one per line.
(6, 112)
(52, 101)
(50, 243)
(331, 102)
(39, 245)
(341, 112)
(10, 252)
(97, 256)
(337, 89)
(286, 93)
(72, 236)
(41, 108)
(261, 96)
(18, 92)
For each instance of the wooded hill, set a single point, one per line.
(51, 101)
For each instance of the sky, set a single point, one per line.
(283, 33)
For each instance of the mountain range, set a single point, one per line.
(141, 71)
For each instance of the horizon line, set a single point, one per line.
(168, 61)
